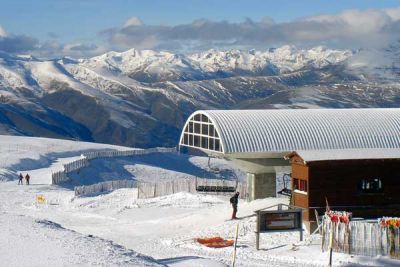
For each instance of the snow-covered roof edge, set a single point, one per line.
(345, 154)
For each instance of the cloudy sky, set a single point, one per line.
(82, 28)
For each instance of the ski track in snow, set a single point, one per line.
(111, 229)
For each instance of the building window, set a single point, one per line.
(300, 185)
(370, 185)
(201, 133)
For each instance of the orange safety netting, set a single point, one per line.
(215, 242)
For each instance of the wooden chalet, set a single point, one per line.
(365, 182)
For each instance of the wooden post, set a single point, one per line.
(301, 225)
(317, 219)
(258, 231)
(234, 247)
(323, 234)
(330, 245)
(155, 187)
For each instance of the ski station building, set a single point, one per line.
(351, 157)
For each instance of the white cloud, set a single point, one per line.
(133, 21)
(372, 28)
(3, 32)
(358, 22)
(347, 29)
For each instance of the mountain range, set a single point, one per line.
(142, 98)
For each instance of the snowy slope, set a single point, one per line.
(111, 229)
(45, 243)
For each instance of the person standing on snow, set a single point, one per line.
(20, 177)
(27, 177)
(234, 201)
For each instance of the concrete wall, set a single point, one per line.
(261, 185)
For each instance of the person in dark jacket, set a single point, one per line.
(27, 177)
(234, 201)
(20, 178)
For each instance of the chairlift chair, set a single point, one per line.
(216, 188)
(286, 180)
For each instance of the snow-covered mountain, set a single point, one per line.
(152, 66)
(142, 98)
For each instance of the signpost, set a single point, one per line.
(284, 218)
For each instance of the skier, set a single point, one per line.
(20, 177)
(27, 177)
(234, 201)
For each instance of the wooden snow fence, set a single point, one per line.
(76, 165)
(102, 187)
(125, 153)
(362, 238)
(149, 190)
(61, 176)
(58, 177)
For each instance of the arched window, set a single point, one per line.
(201, 133)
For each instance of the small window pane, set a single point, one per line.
(217, 146)
(300, 184)
(186, 139)
(204, 142)
(204, 118)
(211, 143)
(197, 128)
(190, 127)
(204, 129)
(197, 117)
(196, 141)
(295, 183)
(190, 139)
(215, 133)
(211, 129)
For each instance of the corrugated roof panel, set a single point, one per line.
(307, 129)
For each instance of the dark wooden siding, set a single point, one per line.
(338, 182)
(300, 171)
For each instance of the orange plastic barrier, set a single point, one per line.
(215, 242)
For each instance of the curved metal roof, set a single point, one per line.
(269, 131)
